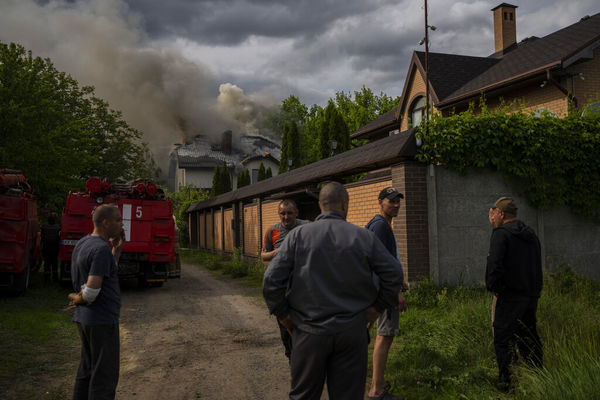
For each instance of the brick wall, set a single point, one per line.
(269, 215)
(411, 229)
(417, 86)
(587, 90)
(228, 218)
(363, 201)
(251, 229)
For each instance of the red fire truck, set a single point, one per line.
(148, 254)
(19, 236)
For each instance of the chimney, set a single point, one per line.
(505, 26)
(226, 142)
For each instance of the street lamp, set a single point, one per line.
(290, 162)
(333, 144)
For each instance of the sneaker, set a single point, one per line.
(385, 396)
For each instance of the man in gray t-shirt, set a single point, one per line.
(95, 277)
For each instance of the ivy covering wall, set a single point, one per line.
(552, 161)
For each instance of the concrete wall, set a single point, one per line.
(459, 230)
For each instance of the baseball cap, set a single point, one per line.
(506, 204)
(390, 193)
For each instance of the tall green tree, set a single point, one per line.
(285, 141)
(261, 172)
(291, 109)
(268, 173)
(216, 182)
(226, 184)
(364, 108)
(332, 128)
(243, 179)
(58, 133)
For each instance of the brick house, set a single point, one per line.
(540, 73)
(442, 229)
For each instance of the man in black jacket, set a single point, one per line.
(514, 274)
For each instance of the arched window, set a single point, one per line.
(417, 111)
(543, 111)
(591, 109)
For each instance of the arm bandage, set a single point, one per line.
(88, 294)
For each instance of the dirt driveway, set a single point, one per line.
(199, 338)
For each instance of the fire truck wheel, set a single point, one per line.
(21, 281)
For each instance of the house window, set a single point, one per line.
(543, 111)
(505, 15)
(591, 109)
(417, 111)
(511, 16)
(254, 175)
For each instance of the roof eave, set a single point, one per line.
(497, 85)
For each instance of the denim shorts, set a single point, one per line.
(387, 323)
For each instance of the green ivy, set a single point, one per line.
(553, 161)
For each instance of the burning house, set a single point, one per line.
(194, 161)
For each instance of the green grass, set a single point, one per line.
(446, 351)
(39, 343)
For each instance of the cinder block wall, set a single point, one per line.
(460, 231)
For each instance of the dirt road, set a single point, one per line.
(199, 338)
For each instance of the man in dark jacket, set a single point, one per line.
(50, 233)
(320, 287)
(514, 274)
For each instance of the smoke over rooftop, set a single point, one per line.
(160, 92)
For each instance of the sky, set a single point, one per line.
(177, 68)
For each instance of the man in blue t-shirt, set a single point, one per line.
(94, 273)
(387, 323)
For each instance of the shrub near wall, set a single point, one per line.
(554, 161)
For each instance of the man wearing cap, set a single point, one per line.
(514, 274)
(387, 324)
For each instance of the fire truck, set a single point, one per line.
(148, 253)
(19, 236)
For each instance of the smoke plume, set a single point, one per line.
(160, 92)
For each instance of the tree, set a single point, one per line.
(261, 173)
(243, 179)
(182, 199)
(226, 184)
(216, 182)
(283, 163)
(269, 173)
(58, 133)
(365, 107)
(333, 127)
(291, 109)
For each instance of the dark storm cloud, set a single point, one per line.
(229, 22)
